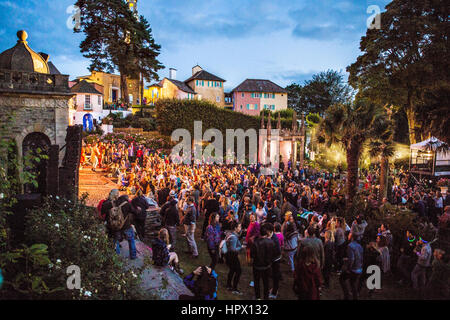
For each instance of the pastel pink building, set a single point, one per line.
(254, 95)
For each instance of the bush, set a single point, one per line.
(65, 234)
(174, 114)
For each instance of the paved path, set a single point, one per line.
(97, 184)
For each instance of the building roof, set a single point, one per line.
(22, 58)
(155, 85)
(182, 86)
(53, 69)
(259, 85)
(204, 75)
(85, 87)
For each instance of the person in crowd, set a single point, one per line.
(358, 227)
(170, 219)
(263, 255)
(211, 205)
(189, 222)
(307, 276)
(291, 239)
(419, 273)
(203, 283)
(352, 268)
(253, 232)
(232, 258)
(311, 241)
(162, 254)
(329, 257)
(276, 273)
(213, 237)
(124, 230)
(438, 287)
(141, 205)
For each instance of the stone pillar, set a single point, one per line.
(53, 171)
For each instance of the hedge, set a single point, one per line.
(175, 114)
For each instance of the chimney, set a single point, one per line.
(196, 69)
(173, 74)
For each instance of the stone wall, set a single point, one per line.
(27, 113)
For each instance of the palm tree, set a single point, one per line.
(352, 125)
(384, 149)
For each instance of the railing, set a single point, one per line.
(13, 81)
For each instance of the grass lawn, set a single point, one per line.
(389, 291)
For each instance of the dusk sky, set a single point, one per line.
(282, 40)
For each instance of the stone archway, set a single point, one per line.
(34, 145)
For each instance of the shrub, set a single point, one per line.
(74, 236)
(173, 114)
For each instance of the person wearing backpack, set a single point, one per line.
(232, 247)
(120, 220)
(106, 207)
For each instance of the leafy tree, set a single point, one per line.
(323, 90)
(352, 125)
(407, 61)
(117, 39)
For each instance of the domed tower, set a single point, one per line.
(34, 111)
(22, 58)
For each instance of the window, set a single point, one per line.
(273, 95)
(99, 100)
(241, 107)
(273, 107)
(243, 94)
(203, 83)
(248, 107)
(87, 102)
(218, 99)
(256, 107)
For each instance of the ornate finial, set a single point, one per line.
(22, 35)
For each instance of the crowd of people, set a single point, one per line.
(294, 217)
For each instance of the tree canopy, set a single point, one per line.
(316, 95)
(116, 39)
(406, 63)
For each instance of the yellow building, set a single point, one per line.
(201, 86)
(207, 86)
(111, 86)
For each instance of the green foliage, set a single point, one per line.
(406, 62)
(117, 39)
(322, 91)
(146, 122)
(74, 236)
(173, 114)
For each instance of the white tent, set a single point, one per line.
(426, 158)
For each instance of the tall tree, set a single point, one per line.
(316, 95)
(118, 40)
(406, 59)
(352, 125)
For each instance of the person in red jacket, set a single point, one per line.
(307, 276)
